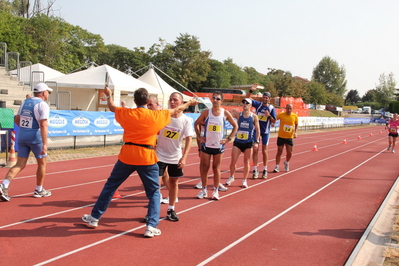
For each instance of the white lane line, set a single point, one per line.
(238, 241)
(233, 193)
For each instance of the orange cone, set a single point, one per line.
(117, 195)
(12, 160)
(252, 164)
(371, 134)
(315, 147)
(344, 142)
(359, 137)
(380, 131)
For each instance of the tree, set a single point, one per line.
(370, 96)
(237, 76)
(123, 59)
(191, 65)
(282, 80)
(334, 99)
(24, 8)
(218, 76)
(352, 97)
(253, 76)
(331, 75)
(315, 93)
(386, 89)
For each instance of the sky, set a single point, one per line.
(361, 35)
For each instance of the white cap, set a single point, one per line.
(248, 100)
(39, 87)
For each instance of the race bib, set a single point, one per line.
(287, 128)
(242, 135)
(25, 121)
(171, 134)
(262, 117)
(214, 127)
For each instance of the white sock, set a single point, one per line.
(255, 168)
(264, 168)
(170, 207)
(39, 188)
(6, 183)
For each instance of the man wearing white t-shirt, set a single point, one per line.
(171, 159)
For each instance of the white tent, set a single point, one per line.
(85, 86)
(152, 78)
(38, 72)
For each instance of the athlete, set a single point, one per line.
(244, 140)
(286, 134)
(32, 119)
(392, 127)
(267, 116)
(169, 151)
(213, 141)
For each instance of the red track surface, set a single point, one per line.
(312, 215)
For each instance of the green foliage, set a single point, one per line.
(315, 93)
(373, 105)
(385, 91)
(237, 76)
(394, 107)
(352, 97)
(282, 81)
(218, 76)
(334, 99)
(370, 96)
(123, 59)
(321, 113)
(253, 76)
(329, 73)
(190, 63)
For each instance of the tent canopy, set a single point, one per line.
(94, 78)
(152, 78)
(25, 72)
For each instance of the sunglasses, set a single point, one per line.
(217, 98)
(245, 102)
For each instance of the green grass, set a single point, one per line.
(321, 113)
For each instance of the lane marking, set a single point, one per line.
(238, 241)
(230, 194)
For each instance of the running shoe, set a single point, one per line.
(215, 195)
(91, 221)
(171, 215)
(388, 147)
(276, 170)
(202, 194)
(166, 200)
(43, 193)
(244, 184)
(199, 185)
(151, 231)
(393, 151)
(264, 174)
(286, 166)
(230, 181)
(4, 193)
(255, 174)
(222, 188)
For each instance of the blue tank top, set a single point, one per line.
(246, 129)
(29, 128)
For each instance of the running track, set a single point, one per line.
(312, 215)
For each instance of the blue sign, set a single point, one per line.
(81, 123)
